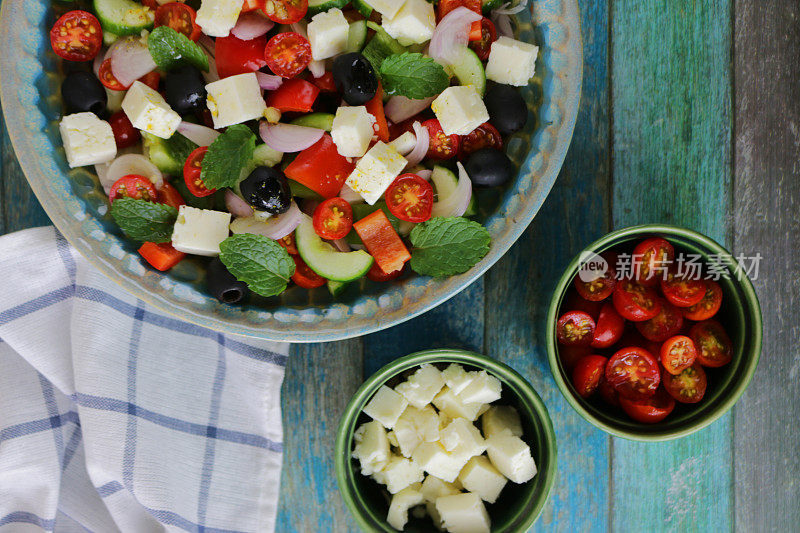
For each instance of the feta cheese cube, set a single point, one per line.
(457, 378)
(401, 503)
(463, 513)
(398, 474)
(87, 140)
(352, 131)
(484, 388)
(386, 406)
(218, 17)
(460, 109)
(200, 231)
(415, 426)
(372, 447)
(500, 418)
(512, 62)
(414, 23)
(436, 461)
(454, 407)
(462, 438)
(405, 143)
(376, 171)
(432, 489)
(148, 111)
(392, 438)
(481, 477)
(328, 33)
(421, 387)
(387, 8)
(511, 456)
(235, 99)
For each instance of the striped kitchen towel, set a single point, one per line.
(115, 417)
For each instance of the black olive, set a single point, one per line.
(355, 78)
(222, 285)
(489, 167)
(185, 90)
(82, 91)
(507, 109)
(267, 189)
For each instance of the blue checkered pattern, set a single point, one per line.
(115, 417)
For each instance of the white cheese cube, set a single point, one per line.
(401, 503)
(462, 438)
(460, 109)
(414, 23)
(328, 33)
(386, 407)
(457, 378)
(427, 423)
(376, 171)
(392, 438)
(352, 131)
(436, 461)
(455, 407)
(398, 474)
(415, 426)
(372, 447)
(463, 513)
(235, 99)
(481, 477)
(484, 388)
(512, 62)
(387, 8)
(432, 489)
(218, 17)
(421, 387)
(511, 456)
(500, 418)
(148, 111)
(87, 140)
(405, 143)
(200, 231)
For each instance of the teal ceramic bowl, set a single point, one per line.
(518, 506)
(74, 200)
(740, 314)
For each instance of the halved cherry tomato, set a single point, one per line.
(635, 301)
(677, 354)
(484, 136)
(252, 5)
(288, 54)
(324, 83)
(289, 243)
(76, 36)
(633, 372)
(708, 306)
(607, 392)
(688, 386)
(125, 135)
(682, 291)
(603, 285)
(236, 56)
(169, 195)
(446, 6)
(293, 95)
(191, 173)
(441, 146)
(649, 410)
(588, 373)
(180, 17)
(133, 186)
(410, 198)
(481, 36)
(714, 347)
(575, 328)
(651, 260)
(107, 77)
(376, 273)
(161, 256)
(574, 302)
(570, 355)
(609, 327)
(151, 79)
(665, 324)
(286, 11)
(333, 219)
(304, 276)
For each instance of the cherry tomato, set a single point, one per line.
(191, 173)
(152, 4)
(125, 135)
(651, 259)
(76, 36)
(133, 186)
(682, 291)
(635, 301)
(151, 79)
(588, 373)
(180, 18)
(708, 306)
(608, 393)
(324, 83)
(107, 77)
(169, 195)
(441, 146)
(609, 327)
(714, 347)
(236, 56)
(481, 36)
(252, 5)
(377, 274)
(286, 11)
(665, 324)
(633, 372)
(410, 198)
(688, 386)
(570, 355)
(446, 6)
(288, 242)
(575, 328)
(574, 302)
(484, 136)
(603, 285)
(677, 354)
(649, 410)
(333, 219)
(304, 276)
(288, 54)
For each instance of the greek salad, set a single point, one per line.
(312, 142)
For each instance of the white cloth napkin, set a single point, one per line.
(115, 417)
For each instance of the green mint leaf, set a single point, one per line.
(380, 47)
(171, 49)
(259, 261)
(227, 156)
(448, 246)
(144, 221)
(413, 76)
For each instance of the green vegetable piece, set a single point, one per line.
(227, 157)
(144, 221)
(259, 261)
(413, 76)
(448, 246)
(380, 47)
(171, 49)
(169, 155)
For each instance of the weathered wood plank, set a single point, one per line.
(766, 201)
(672, 163)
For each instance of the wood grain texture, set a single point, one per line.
(766, 202)
(672, 163)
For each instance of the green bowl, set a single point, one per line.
(740, 314)
(518, 506)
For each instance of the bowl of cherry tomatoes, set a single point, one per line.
(653, 332)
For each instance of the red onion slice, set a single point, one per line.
(300, 27)
(503, 25)
(425, 174)
(251, 25)
(289, 138)
(400, 108)
(131, 60)
(200, 135)
(236, 206)
(506, 8)
(276, 227)
(421, 149)
(455, 204)
(350, 196)
(98, 60)
(452, 34)
(268, 82)
(208, 43)
(131, 164)
(341, 245)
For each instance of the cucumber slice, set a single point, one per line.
(363, 7)
(323, 258)
(444, 181)
(168, 155)
(469, 71)
(357, 37)
(472, 208)
(109, 38)
(489, 5)
(336, 287)
(264, 156)
(318, 6)
(322, 121)
(123, 17)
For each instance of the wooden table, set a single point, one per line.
(691, 116)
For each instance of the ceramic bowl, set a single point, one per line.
(518, 506)
(740, 314)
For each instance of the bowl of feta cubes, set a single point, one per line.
(445, 440)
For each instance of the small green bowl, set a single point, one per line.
(740, 314)
(518, 506)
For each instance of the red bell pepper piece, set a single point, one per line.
(375, 108)
(321, 168)
(382, 241)
(293, 95)
(235, 56)
(161, 256)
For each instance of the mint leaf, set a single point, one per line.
(259, 261)
(144, 221)
(227, 156)
(171, 49)
(414, 76)
(380, 47)
(448, 246)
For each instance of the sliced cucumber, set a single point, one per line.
(323, 258)
(469, 71)
(114, 100)
(357, 37)
(109, 38)
(264, 156)
(318, 6)
(168, 155)
(322, 121)
(363, 7)
(444, 181)
(123, 17)
(489, 5)
(381, 46)
(336, 287)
